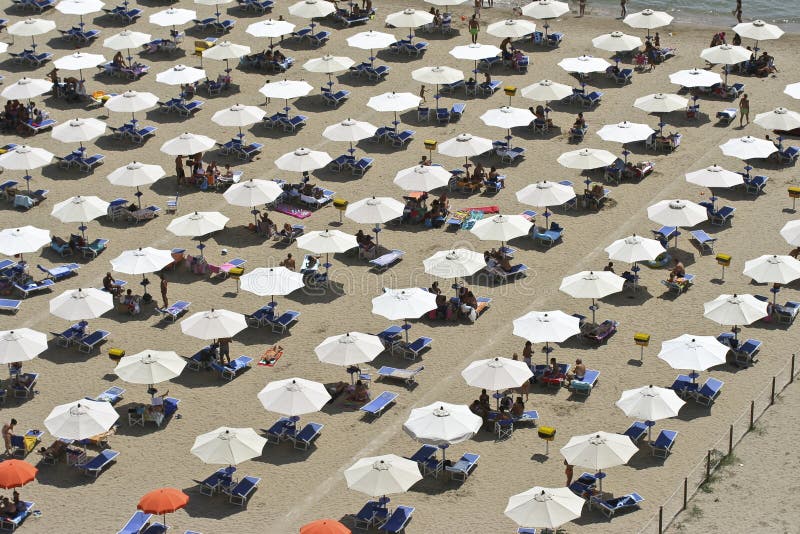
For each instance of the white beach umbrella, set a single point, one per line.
(598, 451)
(475, 51)
(22, 240)
(545, 193)
(758, 30)
(349, 131)
(136, 174)
(310, 9)
(695, 78)
(213, 324)
(3, 48)
(374, 210)
(328, 64)
(507, 117)
(371, 40)
(422, 178)
(27, 88)
(24, 157)
(544, 507)
(773, 269)
(293, 396)
(327, 241)
(633, 249)
(650, 403)
(446, 3)
(225, 51)
(496, 373)
(131, 102)
(82, 303)
(546, 90)
(80, 209)
(697, 353)
(238, 116)
(227, 445)
(442, 424)
(545, 9)
(285, 89)
(78, 130)
(79, 61)
(791, 233)
(199, 223)
(748, 147)
(303, 160)
(272, 281)
(172, 17)
(180, 75)
(584, 64)
(394, 102)
(592, 285)
(21, 344)
(347, 349)
(127, 39)
(150, 367)
(682, 213)
(714, 176)
(456, 263)
(793, 90)
(502, 228)
(437, 75)
(31, 28)
(382, 475)
(514, 28)
(270, 28)
(616, 42)
(253, 193)
(660, 103)
(546, 327)
(648, 20)
(778, 119)
(81, 419)
(142, 260)
(409, 18)
(733, 310)
(625, 132)
(409, 303)
(465, 146)
(726, 54)
(186, 144)
(586, 158)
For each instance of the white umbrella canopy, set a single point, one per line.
(150, 367)
(309, 9)
(172, 17)
(82, 303)
(238, 116)
(303, 160)
(475, 51)
(349, 130)
(227, 445)
(442, 423)
(409, 303)
(438, 75)
(22, 240)
(213, 324)
(586, 158)
(409, 18)
(351, 348)
(648, 20)
(584, 64)
(496, 373)
(285, 89)
(625, 132)
(616, 42)
(78, 130)
(180, 75)
(3, 47)
(793, 90)
(791, 233)
(748, 147)
(446, 3)
(270, 28)
(677, 213)
(514, 28)
(382, 475)
(327, 241)
(253, 193)
(544, 507)
(131, 102)
(27, 88)
(545, 193)
(545, 9)
(599, 450)
(79, 209)
(545, 327)
(758, 30)
(773, 269)
(31, 28)
(24, 158)
(695, 78)
(422, 178)
(394, 102)
(79, 61)
(732, 310)
(187, 143)
(634, 249)
(199, 223)
(328, 64)
(272, 281)
(778, 119)
(127, 39)
(592, 285)
(456, 263)
(507, 117)
(371, 40)
(226, 50)
(374, 210)
(726, 54)
(502, 228)
(21, 345)
(141, 260)
(546, 90)
(135, 174)
(697, 353)
(293, 396)
(465, 145)
(660, 103)
(81, 419)
(714, 176)
(650, 403)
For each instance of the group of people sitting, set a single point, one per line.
(358, 392)
(678, 273)
(541, 116)
(495, 259)
(480, 175)
(266, 57)
(201, 177)
(10, 507)
(416, 210)
(507, 410)
(16, 116)
(69, 88)
(464, 306)
(509, 53)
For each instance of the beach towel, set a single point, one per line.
(293, 211)
(485, 209)
(270, 358)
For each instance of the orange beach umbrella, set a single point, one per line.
(324, 526)
(16, 473)
(163, 501)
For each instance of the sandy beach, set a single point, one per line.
(298, 487)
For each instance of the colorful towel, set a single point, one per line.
(485, 209)
(293, 211)
(269, 360)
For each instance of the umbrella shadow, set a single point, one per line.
(200, 505)
(62, 475)
(284, 453)
(174, 56)
(628, 297)
(325, 294)
(644, 459)
(161, 117)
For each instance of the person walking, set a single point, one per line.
(164, 290)
(179, 170)
(624, 5)
(581, 7)
(744, 109)
(474, 28)
(737, 12)
(8, 431)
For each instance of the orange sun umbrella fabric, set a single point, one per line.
(16, 473)
(324, 526)
(163, 501)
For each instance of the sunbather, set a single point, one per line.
(568, 472)
(578, 372)
(518, 408)
(7, 507)
(119, 61)
(484, 400)
(553, 368)
(478, 409)
(364, 241)
(678, 271)
(436, 291)
(795, 253)
(109, 284)
(527, 353)
(609, 267)
(289, 262)
(133, 302)
(271, 355)
(359, 393)
(579, 123)
(54, 451)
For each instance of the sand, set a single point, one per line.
(298, 487)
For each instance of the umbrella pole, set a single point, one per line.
(139, 196)
(28, 179)
(508, 137)
(377, 231)
(396, 122)
(286, 107)
(593, 307)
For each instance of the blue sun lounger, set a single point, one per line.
(746, 352)
(34, 287)
(387, 260)
(411, 351)
(222, 477)
(12, 522)
(60, 272)
(371, 514)
(241, 492)
(682, 287)
(231, 370)
(709, 392)
(684, 386)
(96, 465)
(662, 446)
(88, 343)
(618, 504)
(376, 406)
(262, 316)
(306, 437)
(636, 431)
(398, 521)
(424, 454)
(112, 395)
(407, 375)
(175, 310)
(10, 305)
(278, 431)
(584, 387)
(463, 468)
(136, 524)
(786, 313)
(156, 528)
(703, 240)
(282, 323)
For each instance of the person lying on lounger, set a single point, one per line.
(679, 271)
(54, 451)
(360, 393)
(7, 507)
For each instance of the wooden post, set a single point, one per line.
(708, 465)
(730, 441)
(685, 492)
(752, 413)
(791, 375)
(660, 519)
(772, 395)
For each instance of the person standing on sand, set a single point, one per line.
(179, 170)
(422, 93)
(164, 291)
(624, 5)
(737, 12)
(581, 7)
(478, 4)
(474, 28)
(568, 471)
(8, 431)
(744, 109)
